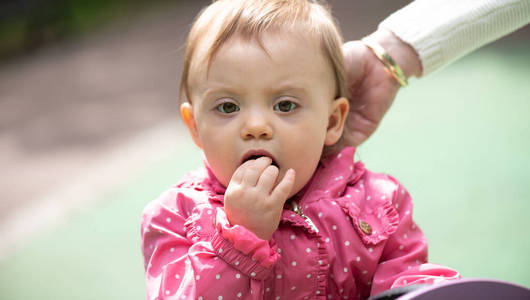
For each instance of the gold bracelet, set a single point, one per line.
(387, 61)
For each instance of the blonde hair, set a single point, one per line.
(249, 19)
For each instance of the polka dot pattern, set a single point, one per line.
(341, 255)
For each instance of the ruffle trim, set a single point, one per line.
(383, 221)
(250, 247)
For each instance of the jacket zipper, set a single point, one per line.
(298, 210)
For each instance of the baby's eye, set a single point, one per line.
(227, 107)
(285, 106)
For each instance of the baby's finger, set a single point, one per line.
(268, 178)
(237, 177)
(283, 189)
(254, 169)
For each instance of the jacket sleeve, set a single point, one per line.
(191, 251)
(404, 258)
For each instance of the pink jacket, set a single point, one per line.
(352, 237)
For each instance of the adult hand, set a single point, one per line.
(251, 199)
(372, 88)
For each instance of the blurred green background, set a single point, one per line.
(458, 140)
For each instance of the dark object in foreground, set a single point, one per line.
(465, 289)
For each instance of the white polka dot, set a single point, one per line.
(327, 240)
(402, 191)
(220, 298)
(253, 274)
(199, 227)
(209, 211)
(277, 297)
(307, 250)
(216, 258)
(239, 295)
(345, 270)
(320, 215)
(401, 247)
(293, 263)
(370, 249)
(351, 168)
(306, 207)
(292, 236)
(348, 196)
(407, 212)
(220, 250)
(368, 198)
(358, 258)
(200, 298)
(397, 205)
(318, 292)
(218, 276)
(347, 243)
(279, 276)
(333, 202)
(292, 215)
(334, 227)
(172, 249)
(237, 263)
(167, 292)
(379, 216)
(238, 275)
(356, 190)
(319, 262)
(340, 155)
(405, 236)
(168, 220)
(197, 277)
(183, 297)
(267, 289)
(177, 276)
(308, 276)
(151, 246)
(383, 197)
(365, 272)
(279, 250)
(293, 288)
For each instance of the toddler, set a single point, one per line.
(280, 210)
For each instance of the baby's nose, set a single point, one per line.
(257, 127)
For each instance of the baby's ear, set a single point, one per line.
(186, 112)
(337, 118)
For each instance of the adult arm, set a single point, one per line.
(421, 37)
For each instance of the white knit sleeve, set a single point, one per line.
(443, 30)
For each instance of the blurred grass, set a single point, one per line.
(459, 141)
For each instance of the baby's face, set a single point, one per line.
(253, 103)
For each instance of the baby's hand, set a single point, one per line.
(251, 200)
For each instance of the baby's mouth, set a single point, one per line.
(255, 154)
(258, 156)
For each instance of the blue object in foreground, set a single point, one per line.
(465, 289)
